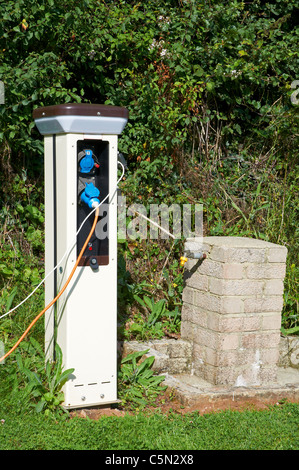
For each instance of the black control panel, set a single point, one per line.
(93, 185)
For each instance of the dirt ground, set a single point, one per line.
(168, 403)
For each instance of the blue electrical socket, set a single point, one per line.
(90, 195)
(87, 162)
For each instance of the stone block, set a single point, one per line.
(207, 301)
(268, 374)
(200, 353)
(219, 375)
(207, 372)
(241, 255)
(220, 270)
(198, 317)
(271, 321)
(171, 356)
(218, 304)
(270, 356)
(273, 287)
(206, 337)
(260, 340)
(209, 267)
(179, 365)
(263, 304)
(227, 358)
(187, 331)
(188, 295)
(231, 304)
(251, 323)
(289, 352)
(294, 354)
(232, 271)
(185, 312)
(179, 349)
(277, 254)
(256, 375)
(224, 323)
(229, 341)
(266, 271)
(243, 287)
(197, 281)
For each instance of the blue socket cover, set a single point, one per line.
(90, 195)
(87, 162)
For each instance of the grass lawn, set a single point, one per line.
(276, 428)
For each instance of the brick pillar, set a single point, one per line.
(232, 304)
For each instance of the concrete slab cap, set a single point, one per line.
(237, 242)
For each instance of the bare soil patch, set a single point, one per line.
(168, 403)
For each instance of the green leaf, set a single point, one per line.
(146, 364)
(37, 378)
(48, 371)
(198, 71)
(136, 297)
(63, 378)
(48, 396)
(10, 298)
(57, 365)
(140, 401)
(290, 331)
(19, 362)
(36, 346)
(149, 302)
(134, 356)
(5, 271)
(210, 86)
(40, 405)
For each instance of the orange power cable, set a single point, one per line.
(59, 294)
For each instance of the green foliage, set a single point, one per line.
(44, 384)
(158, 319)
(7, 299)
(139, 386)
(22, 219)
(151, 296)
(155, 309)
(195, 69)
(291, 303)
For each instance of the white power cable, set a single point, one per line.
(68, 250)
(152, 222)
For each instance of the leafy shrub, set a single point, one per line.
(44, 386)
(139, 386)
